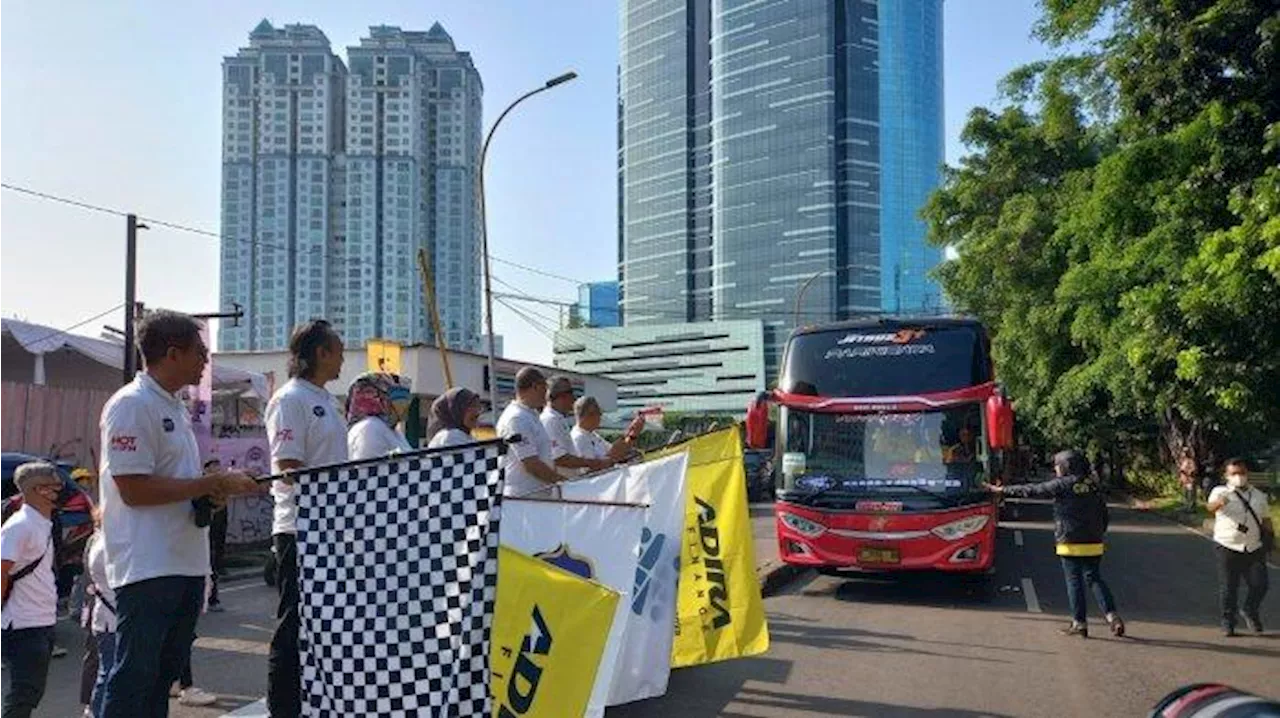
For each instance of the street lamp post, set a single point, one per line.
(484, 232)
(800, 294)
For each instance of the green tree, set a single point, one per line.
(1116, 225)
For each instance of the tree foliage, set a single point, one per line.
(1117, 226)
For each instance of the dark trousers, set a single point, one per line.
(1233, 566)
(156, 623)
(284, 674)
(1082, 570)
(217, 550)
(26, 657)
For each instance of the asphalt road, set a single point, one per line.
(921, 646)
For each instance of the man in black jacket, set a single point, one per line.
(1080, 524)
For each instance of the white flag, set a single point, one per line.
(594, 540)
(644, 664)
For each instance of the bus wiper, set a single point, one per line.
(942, 498)
(811, 499)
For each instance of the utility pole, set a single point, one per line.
(429, 291)
(130, 294)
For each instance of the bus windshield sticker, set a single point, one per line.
(793, 462)
(892, 350)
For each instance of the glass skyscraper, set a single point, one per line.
(334, 176)
(767, 143)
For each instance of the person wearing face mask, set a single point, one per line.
(376, 403)
(30, 594)
(1242, 530)
(453, 416)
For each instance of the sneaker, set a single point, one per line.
(1075, 629)
(1117, 625)
(1254, 622)
(1229, 632)
(58, 651)
(174, 690)
(195, 697)
(216, 607)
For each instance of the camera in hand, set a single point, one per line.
(203, 511)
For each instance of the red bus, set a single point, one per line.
(886, 430)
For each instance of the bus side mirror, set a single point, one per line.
(1000, 422)
(758, 422)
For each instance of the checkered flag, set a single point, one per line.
(398, 575)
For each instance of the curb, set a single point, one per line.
(775, 575)
(1203, 527)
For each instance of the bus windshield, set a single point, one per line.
(903, 453)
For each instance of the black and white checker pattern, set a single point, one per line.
(398, 575)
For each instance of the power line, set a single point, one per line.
(78, 324)
(534, 270)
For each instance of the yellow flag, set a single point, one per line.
(719, 614)
(549, 631)
(383, 355)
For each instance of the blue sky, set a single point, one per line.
(117, 104)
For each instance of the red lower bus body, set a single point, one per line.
(887, 542)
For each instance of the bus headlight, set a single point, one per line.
(957, 530)
(801, 525)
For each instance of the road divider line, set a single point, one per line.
(1017, 537)
(1029, 593)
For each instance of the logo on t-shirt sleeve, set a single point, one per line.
(124, 443)
(284, 435)
(167, 424)
(318, 410)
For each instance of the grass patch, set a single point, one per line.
(1173, 507)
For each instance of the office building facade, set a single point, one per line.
(597, 305)
(708, 367)
(763, 144)
(336, 174)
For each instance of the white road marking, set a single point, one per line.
(1029, 593)
(245, 587)
(1017, 537)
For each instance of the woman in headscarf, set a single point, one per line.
(453, 415)
(376, 403)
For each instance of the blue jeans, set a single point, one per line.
(1081, 570)
(156, 623)
(106, 659)
(26, 657)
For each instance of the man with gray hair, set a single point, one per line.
(590, 445)
(556, 419)
(30, 599)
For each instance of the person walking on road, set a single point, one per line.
(306, 429)
(1243, 533)
(30, 595)
(1080, 525)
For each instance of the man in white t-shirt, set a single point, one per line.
(588, 444)
(1240, 518)
(557, 419)
(30, 594)
(530, 462)
(157, 558)
(306, 429)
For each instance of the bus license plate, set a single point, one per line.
(878, 555)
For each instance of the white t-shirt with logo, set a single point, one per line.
(304, 424)
(147, 431)
(518, 419)
(27, 538)
(371, 438)
(1228, 520)
(588, 444)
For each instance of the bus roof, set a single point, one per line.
(891, 323)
